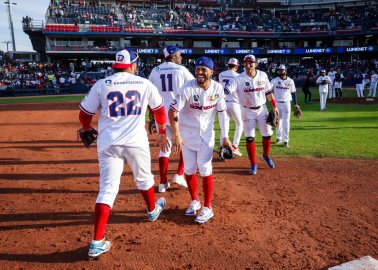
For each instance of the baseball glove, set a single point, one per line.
(272, 119)
(225, 152)
(151, 124)
(297, 111)
(87, 137)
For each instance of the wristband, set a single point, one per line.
(273, 102)
(161, 131)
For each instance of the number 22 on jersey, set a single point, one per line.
(117, 107)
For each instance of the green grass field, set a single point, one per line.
(343, 131)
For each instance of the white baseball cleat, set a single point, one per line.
(236, 151)
(192, 209)
(205, 215)
(180, 180)
(163, 187)
(159, 206)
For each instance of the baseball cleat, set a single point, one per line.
(192, 209)
(163, 187)
(253, 169)
(159, 206)
(180, 180)
(96, 248)
(286, 144)
(278, 141)
(205, 215)
(269, 161)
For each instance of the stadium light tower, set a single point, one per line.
(7, 42)
(9, 3)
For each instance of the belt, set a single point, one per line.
(281, 101)
(253, 108)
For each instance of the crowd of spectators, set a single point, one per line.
(193, 16)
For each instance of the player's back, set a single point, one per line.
(122, 99)
(168, 77)
(224, 78)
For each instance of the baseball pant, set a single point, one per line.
(111, 162)
(372, 89)
(323, 100)
(283, 129)
(332, 93)
(360, 90)
(234, 113)
(252, 118)
(197, 158)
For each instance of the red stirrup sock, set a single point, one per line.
(191, 180)
(180, 169)
(101, 216)
(149, 198)
(251, 149)
(266, 146)
(207, 184)
(163, 168)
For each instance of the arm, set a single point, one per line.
(224, 125)
(272, 101)
(161, 120)
(176, 137)
(85, 120)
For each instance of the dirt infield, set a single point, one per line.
(305, 214)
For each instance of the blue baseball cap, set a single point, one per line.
(125, 58)
(170, 50)
(204, 61)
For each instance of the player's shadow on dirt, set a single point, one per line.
(15, 161)
(63, 191)
(40, 141)
(71, 256)
(64, 219)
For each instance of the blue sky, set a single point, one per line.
(35, 9)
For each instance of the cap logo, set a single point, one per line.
(120, 58)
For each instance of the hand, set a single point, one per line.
(163, 142)
(276, 111)
(176, 143)
(226, 142)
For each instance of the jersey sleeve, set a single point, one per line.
(268, 85)
(155, 101)
(179, 101)
(221, 105)
(91, 102)
(152, 77)
(293, 89)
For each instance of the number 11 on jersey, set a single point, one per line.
(163, 82)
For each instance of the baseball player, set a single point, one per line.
(284, 91)
(253, 87)
(331, 75)
(373, 84)
(359, 79)
(232, 102)
(323, 81)
(168, 78)
(193, 132)
(122, 99)
(339, 83)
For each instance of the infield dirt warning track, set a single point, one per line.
(306, 214)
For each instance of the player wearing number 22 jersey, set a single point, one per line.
(122, 100)
(168, 78)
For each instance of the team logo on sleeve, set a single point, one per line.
(260, 83)
(247, 83)
(196, 97)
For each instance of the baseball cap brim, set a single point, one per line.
(121, 65)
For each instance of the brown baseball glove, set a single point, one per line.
(297, 111)
(87, 137)
(273, 118)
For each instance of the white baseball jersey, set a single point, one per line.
(168, 78)
(323, 87)
(122, 99)
(374, 79)
(251, 91)
(224, 78)
(197, 109)
(282, 89)
(331, 76)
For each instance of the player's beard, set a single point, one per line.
(203, 79)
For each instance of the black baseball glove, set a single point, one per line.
(87, 137)
(272, 118)
(225, 152)
(151, 124)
